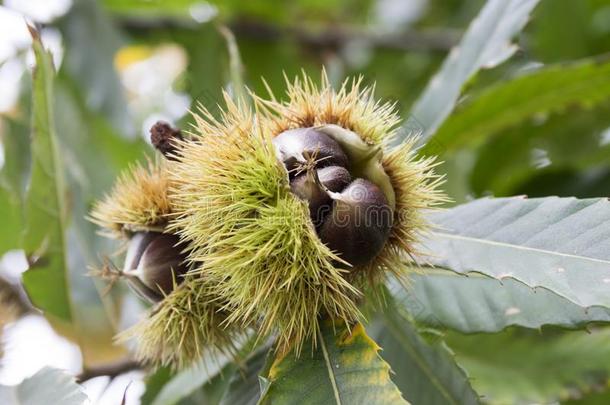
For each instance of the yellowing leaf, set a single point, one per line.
(345, 368)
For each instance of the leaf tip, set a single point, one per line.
(34, 33)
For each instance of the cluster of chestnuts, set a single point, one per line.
(276, 214)
(352, 216)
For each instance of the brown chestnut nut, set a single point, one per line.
(353, 219)
(154, 264)
(296, 146)
(334, 178)
(313, 186)
(360, 222)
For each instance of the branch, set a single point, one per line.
(111, 370)
(13, 300)
(335, 37)
(331, 37)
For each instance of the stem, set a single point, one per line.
(163, 137)
(236, 69)
(111, 370)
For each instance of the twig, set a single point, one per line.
(14, 297)
(163, 137)
(111, 370)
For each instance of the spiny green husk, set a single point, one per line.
(352, 107)
(249, 234)
(183, 327)
(138, 201)
(186, 323)
(415, 185)
(255, 258)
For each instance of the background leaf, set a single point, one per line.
(486, 43)
(205, 382)
(244, 387)
(214, 373)
(86, 27)
(528, 367)
(13, 177)
(16, 146)
(179, 9)
(505, 104)
(48, 386)
(44, 240)
(543, 144)
(236, 68)
(11, 208)
(591, 398)
(425, 372)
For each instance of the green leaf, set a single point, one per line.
(486, 43)
(209, 393)
(506, 104)
(93, 152)
(344, 369)
(14, 173)
(236, 68)
(568, 140)
(12, 221)
(425, 372)
(154, 383)
(206, 381)
(591, 398)
(568, 183)
(187, 382)
(16, 144)
(521, 367)
(551, 42)
(48, 386)
(86, 27)
(244, 387)
(46, 282)
(561, 244)
(92, 155)
(474, 303)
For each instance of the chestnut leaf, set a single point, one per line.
(345, 368)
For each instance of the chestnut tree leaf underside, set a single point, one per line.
(475, 303)
(48, 386)
(560, 244)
